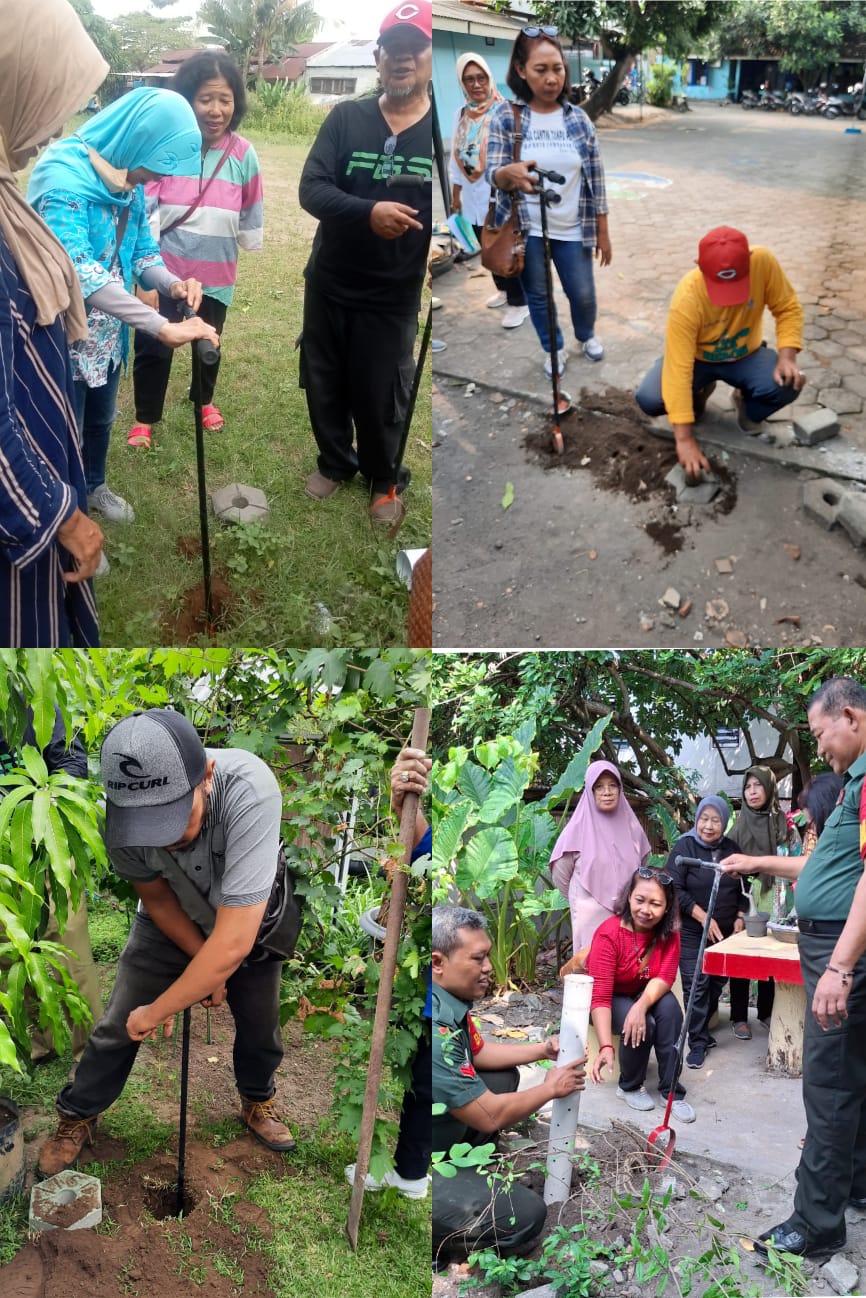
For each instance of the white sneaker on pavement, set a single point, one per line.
(683, 1110)
(593, 349)
(499, 299)
(515, 316)
(113, 507)
(409, 1189)
(561, 358)
(636, 1099)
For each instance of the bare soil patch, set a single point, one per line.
(608, 436)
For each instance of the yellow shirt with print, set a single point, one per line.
(698, 330)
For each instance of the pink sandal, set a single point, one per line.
(139, 435)
(212, 419)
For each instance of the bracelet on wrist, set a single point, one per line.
(606, 1046)
(844, 974)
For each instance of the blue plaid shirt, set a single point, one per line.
(500, 152)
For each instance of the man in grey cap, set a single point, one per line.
(196, 832)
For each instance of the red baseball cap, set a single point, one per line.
(417, 14)
(723, 256)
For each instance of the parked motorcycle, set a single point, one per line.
(749, 99)
(803, 101)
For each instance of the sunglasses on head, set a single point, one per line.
(660, 876)
(540, 31)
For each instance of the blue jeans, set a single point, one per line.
(94, 414)
(573, 262)
(752, 374)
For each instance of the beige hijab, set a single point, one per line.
(49, 67)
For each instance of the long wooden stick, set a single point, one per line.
(399, 890)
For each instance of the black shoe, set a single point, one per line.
(859, 1204)
(696, 1056)
(785, 1238)
(711, 1043)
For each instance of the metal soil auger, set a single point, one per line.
(202, 352)
(184, 1087)
(549, 198)
(662, 1155)
(399, 890)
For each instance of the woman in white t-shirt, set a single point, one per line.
(557, 136)
(470, 190)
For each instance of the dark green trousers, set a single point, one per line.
(833, 1162)
(468, 1214)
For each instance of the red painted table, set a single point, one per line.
(741, 956)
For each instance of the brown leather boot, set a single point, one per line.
(259, 1116)
(61, 1151)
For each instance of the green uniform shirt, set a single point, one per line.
(825, 889)
(455, 1081)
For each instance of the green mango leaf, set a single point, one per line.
(34, 764)
(489, 860)
(41, 804)
(571, 781)
(42, 694)
(58, 847)
(8, 1052)
(10, 920)
(8, 803)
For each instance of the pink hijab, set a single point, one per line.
(604, 848)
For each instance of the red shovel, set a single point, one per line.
(661, 1154)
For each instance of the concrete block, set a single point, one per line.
(852, 516)
(239, 504)
(841, 1275)
(705, 491)
(68, 1201)
(821, 500)
(817, 427)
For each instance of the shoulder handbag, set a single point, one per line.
(503, 247)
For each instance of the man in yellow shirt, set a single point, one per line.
(714, 332)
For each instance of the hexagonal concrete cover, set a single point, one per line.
(238, 503)
(68, 1201)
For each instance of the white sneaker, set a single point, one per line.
(110, 505)
(636, 1099)
(104, 566)
(593, 349)
(499, 299)
(561, 358)
(683, 1110)
(436, 303)
(409, 1189)
(514, 317)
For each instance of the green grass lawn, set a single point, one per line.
(317, 573)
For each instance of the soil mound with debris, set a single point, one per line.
(609, 437)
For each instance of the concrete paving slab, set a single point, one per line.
(819, 426)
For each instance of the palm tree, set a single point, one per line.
(257, 31)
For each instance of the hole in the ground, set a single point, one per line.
(830, 498)
(161, 1200)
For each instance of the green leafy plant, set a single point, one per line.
(494, 846)
(661, 83)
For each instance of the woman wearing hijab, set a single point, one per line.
(470, 191)
(598, 852)
(706, 841)
(48, 545)
(88, 189)
(761, 830)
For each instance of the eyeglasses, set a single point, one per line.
(540, 31)
(475, 81)
(660, 876)
(388, 148)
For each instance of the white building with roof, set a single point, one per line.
(342, 71)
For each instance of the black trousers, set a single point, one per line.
(151, 366)
(833, 1161)
(356, 369)
(468, 1214)
(149, 963)
(664, 1023)
(415, 1139)
(740, 999)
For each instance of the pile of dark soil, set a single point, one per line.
(608, 436)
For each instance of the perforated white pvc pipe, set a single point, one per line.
(563, 1119)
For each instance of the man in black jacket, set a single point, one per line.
(367, 265)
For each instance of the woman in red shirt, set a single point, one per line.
(633, 959)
